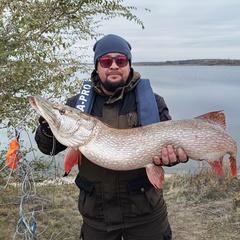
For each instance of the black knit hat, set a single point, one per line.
(111, 43)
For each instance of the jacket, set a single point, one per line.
(110, 199)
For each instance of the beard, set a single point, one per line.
(112, 86)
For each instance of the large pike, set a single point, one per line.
(202, 138)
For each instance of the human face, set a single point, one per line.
(114, 76)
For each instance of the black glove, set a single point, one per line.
(45, 127)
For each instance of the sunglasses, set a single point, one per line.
(106, 62)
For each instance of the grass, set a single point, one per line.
(200, 206)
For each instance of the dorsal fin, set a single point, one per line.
(217, 117)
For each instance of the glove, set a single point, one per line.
(45, 127)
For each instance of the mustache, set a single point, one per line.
(114, 73)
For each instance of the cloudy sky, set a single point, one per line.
(181, 29)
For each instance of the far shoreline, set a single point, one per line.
(192, 62)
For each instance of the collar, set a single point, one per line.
(133, 79)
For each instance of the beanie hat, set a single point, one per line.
(111, 43)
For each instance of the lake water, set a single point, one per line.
(190, 91)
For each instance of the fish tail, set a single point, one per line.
(233, 166)
(72, 157)
(217, 166)
(155, 175)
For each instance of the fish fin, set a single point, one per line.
(155, 175)
(233, 166)
(12, 154)
(72, 157)
(217, 166)
(217, 117)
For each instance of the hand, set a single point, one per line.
(45, 127)
(170, 157)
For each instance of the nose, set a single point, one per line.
(114, 65)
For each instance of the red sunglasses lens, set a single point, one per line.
(106, 62)
(121, 61)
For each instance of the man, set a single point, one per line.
(116, 204)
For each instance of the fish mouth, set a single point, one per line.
(57, 115)
(44, 108)
(33, 102)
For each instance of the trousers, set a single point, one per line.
(149, 231)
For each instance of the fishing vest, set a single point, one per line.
(101, 188)
(147, 109)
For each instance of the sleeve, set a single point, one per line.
(162, 108)
(48, 144)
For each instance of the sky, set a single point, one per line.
(180, 30)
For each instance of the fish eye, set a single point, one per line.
(62, 111)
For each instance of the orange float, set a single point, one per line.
(12, 154)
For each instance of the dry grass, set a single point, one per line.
(55, 212)
(200, 206)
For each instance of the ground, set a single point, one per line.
(199, 208)
(215, 221)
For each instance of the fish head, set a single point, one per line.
(64, 121)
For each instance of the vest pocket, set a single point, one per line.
(139, 185)
(144, 198)
(85, 186)
(87, 202)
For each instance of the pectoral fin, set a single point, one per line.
(72, 157)
(155, 175)
(217, 166)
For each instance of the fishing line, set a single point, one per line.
(19, 127)
(2, 127)
(31, 207)
(28, 188)
(25, 227)
(6, 166)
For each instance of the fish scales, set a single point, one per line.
(131, 148)
(125, 149)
